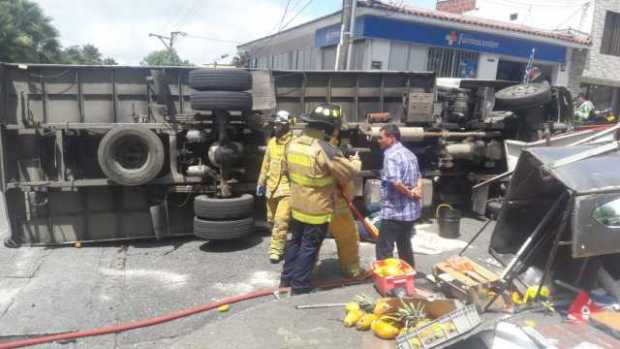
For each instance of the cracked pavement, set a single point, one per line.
(50, 290)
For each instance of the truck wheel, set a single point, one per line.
(221, 100)
(223, 230)
(131, 155)
(222, 209)
(220, 80)
(523, 95)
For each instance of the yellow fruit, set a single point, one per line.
(351, 306)
(363, 324)
(393, 270)
(383, 306)
(352, 317)
(384, 328)
(392, 262)
(223, 308)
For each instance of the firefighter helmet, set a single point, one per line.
(329, 114)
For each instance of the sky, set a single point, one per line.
(120, 28)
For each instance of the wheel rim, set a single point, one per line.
(524, 90)
(131, 153)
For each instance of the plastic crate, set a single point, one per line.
(441, 330)
(385, 284)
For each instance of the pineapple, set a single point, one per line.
(411, 315)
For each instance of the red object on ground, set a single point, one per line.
(582, 307)
(164, 318)
(385, 284)
(594, 127)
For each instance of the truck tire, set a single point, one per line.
(130, 155)
(224, 209)
(523, 95)
(220, 80)
(223, 230)
(221, 100)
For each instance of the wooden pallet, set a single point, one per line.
(466, 273)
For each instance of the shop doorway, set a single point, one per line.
(514, 71)
(511, 71)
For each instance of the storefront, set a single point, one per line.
(445, 50)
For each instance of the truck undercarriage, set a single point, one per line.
(91, 153)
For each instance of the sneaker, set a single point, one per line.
(275, 258)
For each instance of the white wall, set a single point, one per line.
(399, 56)
(418, 58)
(380, 51)
(487, 66)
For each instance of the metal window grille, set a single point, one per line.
(449, 63)
(610, 44)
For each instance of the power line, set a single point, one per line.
(288, 3)
(168, 41)
(297, 14)
(572, 15)
(191, 36)
(269, 44)
(272, 37)
(525, 5)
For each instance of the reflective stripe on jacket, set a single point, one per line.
(271, 173)
(315, 177)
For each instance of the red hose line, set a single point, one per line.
(160, 319)
(136, 324)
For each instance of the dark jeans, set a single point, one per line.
(399, 233)
(301, 253)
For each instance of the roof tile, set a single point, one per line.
(477, 21)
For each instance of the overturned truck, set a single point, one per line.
(94, 153)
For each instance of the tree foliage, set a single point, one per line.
(86, 54)
(165, 57)
(26, 34)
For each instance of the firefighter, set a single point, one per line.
(316, 169)
(273, 184)
(342, 225)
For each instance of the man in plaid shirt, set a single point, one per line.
(401, 192)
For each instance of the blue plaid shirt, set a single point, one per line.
(399, 164)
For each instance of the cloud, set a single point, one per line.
(120, 28)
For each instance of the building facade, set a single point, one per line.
(410, 39)
(596, 71)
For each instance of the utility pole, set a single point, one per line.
(168, 41)
(342, 51)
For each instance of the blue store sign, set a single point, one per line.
(392, 29)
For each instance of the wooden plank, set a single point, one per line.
(608, 321)
(446, 268)
(477, 277)
(487, 274)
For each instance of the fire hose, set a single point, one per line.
(122, 327)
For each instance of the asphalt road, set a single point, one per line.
(52, 290)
